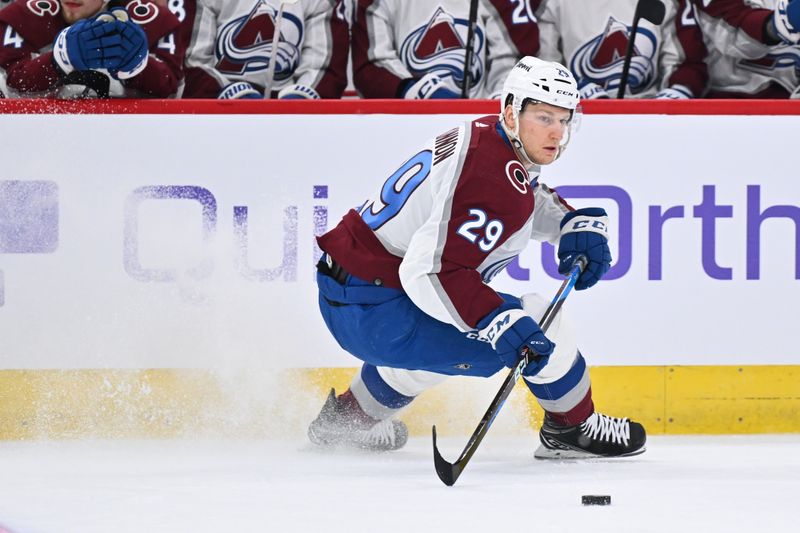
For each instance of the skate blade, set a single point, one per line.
(550, 454)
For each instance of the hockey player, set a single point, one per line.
(415, 49)
(232, 45)
(668, 60)
(75, 48)
(753, 47)
(403, 282)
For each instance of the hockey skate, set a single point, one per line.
(338, 425)
(598, 436)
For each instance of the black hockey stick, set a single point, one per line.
(650, 10)
(449, 472)
(469, 52)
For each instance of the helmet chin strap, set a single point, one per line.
(516, 142)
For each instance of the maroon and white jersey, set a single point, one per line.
(743, 61)
(399, 40)
(232, 41)
(519, 22)
(591, 38)
(29, 27)
(447, 221)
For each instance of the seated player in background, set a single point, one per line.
(592, 38)
(77, 49)
(753, 47)
(3, 5)
(415, 49)
(403, 281)
(231, 50)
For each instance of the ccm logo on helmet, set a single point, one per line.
(566, 93)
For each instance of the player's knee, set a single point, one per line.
(561, 332)
(409, 382)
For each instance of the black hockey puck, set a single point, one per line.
(595, 500)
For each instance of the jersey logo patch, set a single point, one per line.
(41, 8)
(517, 175)
(600, 60)
(439, 47)
(245, 44)
(783, 63)
(142, 13)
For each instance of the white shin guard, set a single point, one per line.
(561, 332)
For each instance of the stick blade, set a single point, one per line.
(652, 11)
(446, 471)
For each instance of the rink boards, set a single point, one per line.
(182, 402)
(156, 261)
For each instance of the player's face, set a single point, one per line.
(541, 129)
(75, 10)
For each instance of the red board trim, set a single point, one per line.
(390, 107)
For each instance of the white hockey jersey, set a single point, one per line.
(447, 221)
(591, 39)
(231, 40)
(741, 61)
(398, 40)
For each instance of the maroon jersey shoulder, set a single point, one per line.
(36, 21)
(493, 178)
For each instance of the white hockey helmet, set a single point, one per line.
(537, 81)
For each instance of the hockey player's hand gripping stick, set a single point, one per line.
(652, 11)
(449, 472)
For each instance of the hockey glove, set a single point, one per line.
(585, 232)
(133, 45)
(512, 332)
(88, 44)
(239, 90)
(298, 92)
(429, 87)
(786, 19)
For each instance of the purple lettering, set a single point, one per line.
(518, 272)
(320, 219)
(131, 261)
(754, 219)
(708, 212)
(656, 237)
(28, 217)
(625, 224)
(288, 266)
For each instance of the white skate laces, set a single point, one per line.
(381, 434)
(607, 428)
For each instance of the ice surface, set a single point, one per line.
(685, 484)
